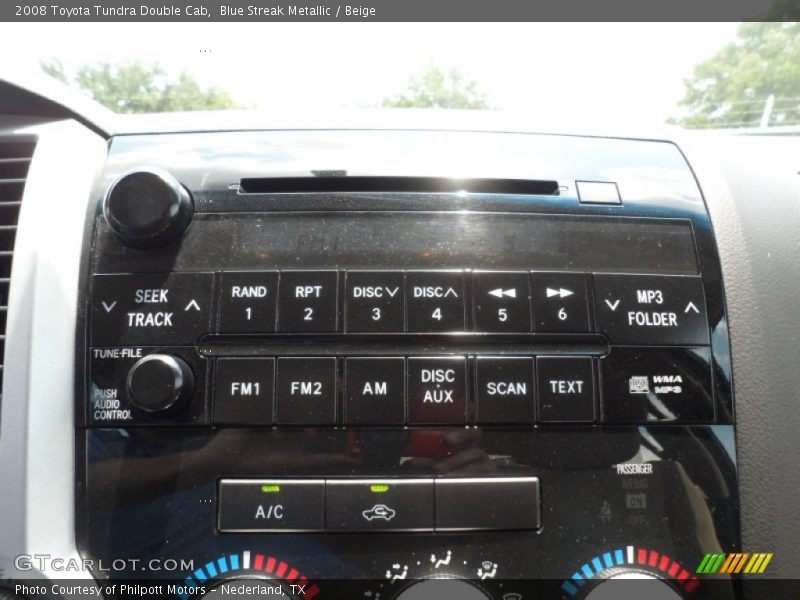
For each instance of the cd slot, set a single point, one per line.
(403, 345)
(354, 184)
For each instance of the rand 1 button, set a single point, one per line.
(307, 301)
(560, 303)
(374, 302)
(393, 505)
(243, 391)
(487, 503)
(640, 385)
(248, 301)
(504, 390)
(246, 505)
(375, 391)
(651, 309)
(437, 392)
(501, 302)
(151, 309)
(435, 301)
(565, 389)
(305, 393)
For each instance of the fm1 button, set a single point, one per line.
(651, 309)
(437, 391)
(435, 301)
(641, 385)
(248, 302)
(565, 389)
(306, 391)
(307, 301)
(375, 391)
(560, 303)
(502, 302)
(247, 505)
(374, 302)
(243, 391)
(505, 390)
(393, 505)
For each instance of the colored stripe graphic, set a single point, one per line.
(734, 563)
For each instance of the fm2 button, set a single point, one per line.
(560, 303)
(248, 302)
(306, 391)
(565, 389)
(308, 301)
(437, 392)
(374, 302)
(651, 309)
(435, 301)
(502, 302)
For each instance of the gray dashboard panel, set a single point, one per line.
(752, 188)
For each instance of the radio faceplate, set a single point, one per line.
(372, 354)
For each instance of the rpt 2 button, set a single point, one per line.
(308, 301)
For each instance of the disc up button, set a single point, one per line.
(651, 309)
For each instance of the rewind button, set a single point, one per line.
(502, 302)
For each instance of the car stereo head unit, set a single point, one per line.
(523, 374)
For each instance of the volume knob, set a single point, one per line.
(160, 383)
(148, 208)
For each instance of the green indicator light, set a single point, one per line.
(268, 489)
(379, 489)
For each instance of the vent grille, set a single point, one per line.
(15, 159)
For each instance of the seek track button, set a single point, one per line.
(151, 309)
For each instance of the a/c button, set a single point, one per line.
(248, 505)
